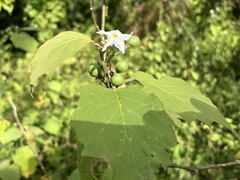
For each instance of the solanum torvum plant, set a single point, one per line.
(130, 128)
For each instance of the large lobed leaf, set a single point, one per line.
(180, 97)
(127, 127)
(54, 51)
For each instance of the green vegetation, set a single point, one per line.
(197, 41)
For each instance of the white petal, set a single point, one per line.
(109, 42)
(101, 32)
(107, 33)
(116, 32)
(120, 45)
(126, 37)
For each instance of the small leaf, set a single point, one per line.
(11, 134)
(180, 97)
(54, 51)
(127, 127)
(37, 131)
(52, 126)
(24, 157)
(24, 41)
(3, 126)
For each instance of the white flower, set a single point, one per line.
(116, 38)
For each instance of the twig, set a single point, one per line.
(213, 166)
(93, 15)
(103, 15)
(15, 114)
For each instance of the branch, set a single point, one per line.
(24, 133)
(93, 15)
(213, 166)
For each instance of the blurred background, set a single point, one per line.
(196, 40)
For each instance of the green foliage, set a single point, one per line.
(8, 171)
(41, 20)
(24, 41)
(45, 16)
(75, 175)
(25, 158)
(7, 136)
(51, 54)
(7, 5)
(197, 41)
(127, 127)
(181, 98)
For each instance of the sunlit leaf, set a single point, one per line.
(127, 127)
(52, 126)
(24, 157)
(180, 97)
(54, 51)
(11, 134)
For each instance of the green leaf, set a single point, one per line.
(11, 134)
(54, 51)
(52, 126)
(74, 175)
(37, 131)
(24, 41)
(85, 165)
(3, 126)
(7, 5)
(24, 157)
(127, 127)
(11, 172)
(180, 97)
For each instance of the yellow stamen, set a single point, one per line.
(115, 36)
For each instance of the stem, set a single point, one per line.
(112, 55)
(103, 14)
(105, 61)
(93, 15)
(104, 65)
(15, 114)
(213, 166)
(129, 80)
